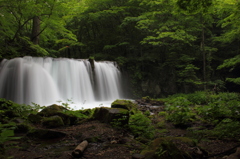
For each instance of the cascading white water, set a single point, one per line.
(45, 81)
(107, 82)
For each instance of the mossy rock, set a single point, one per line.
(45, 134)
(23, 128)
(52, 122)
(52, 110)
(168, 148)
(124, 104)
(86, 112)
(111, 115)
(56, 110)
(34, 118)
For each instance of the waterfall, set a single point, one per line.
(46, 81)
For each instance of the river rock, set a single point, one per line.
(124, 104)
(35, 118)
(52, 122)
(110, 115)
(51, 110)
(56, 110)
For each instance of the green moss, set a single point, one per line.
(115, 116)
(52, 122)
(22, 128)
(35, 118)
(52, 110)
(124, 104)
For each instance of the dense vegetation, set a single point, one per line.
(166, 46)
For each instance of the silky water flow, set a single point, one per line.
(47, 81)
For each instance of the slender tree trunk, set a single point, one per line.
(35, 30)
(204, 56)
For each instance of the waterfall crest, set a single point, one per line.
(45, 81)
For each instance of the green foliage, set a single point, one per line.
(199, 97)
(147, 113)
(217, 110)
(120, 122)
(194, 6)
(234, 80)
(232, 62)
(187, 71)
(228, 96)
(140, 125)
(121, 60)
(226, 129)
(179, 111)
(7, 132)
(160, 151)
(66, 104)
(10, 109)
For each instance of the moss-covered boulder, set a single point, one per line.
(35, 118)
(124, 104)
(169, 148)
(52, 110)
(52, 122)
(112, 115)
(45, 134)
(56, 110)
(23, 128)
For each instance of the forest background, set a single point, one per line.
(163, 46)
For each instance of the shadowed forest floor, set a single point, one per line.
(107, 142)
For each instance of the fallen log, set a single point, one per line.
(78, 151)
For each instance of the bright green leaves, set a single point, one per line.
(162, 38)
(229, 11)
(140, 125)
(230, 62)
(17, 16)
(7, 132)
(164, 25)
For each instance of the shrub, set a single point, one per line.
(199, 97)
(140, 125)
(226, 129)
(179, 111)
(226, 96)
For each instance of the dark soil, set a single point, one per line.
(106, 142)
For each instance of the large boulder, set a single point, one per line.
(35, 118)
(124, 104)
(56, 110)
(52, 122)
(112, 115)
(52, 110)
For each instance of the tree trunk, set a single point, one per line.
(204, 58)
(35, 30)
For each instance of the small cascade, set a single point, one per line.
(46, 81)
(107, 82)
